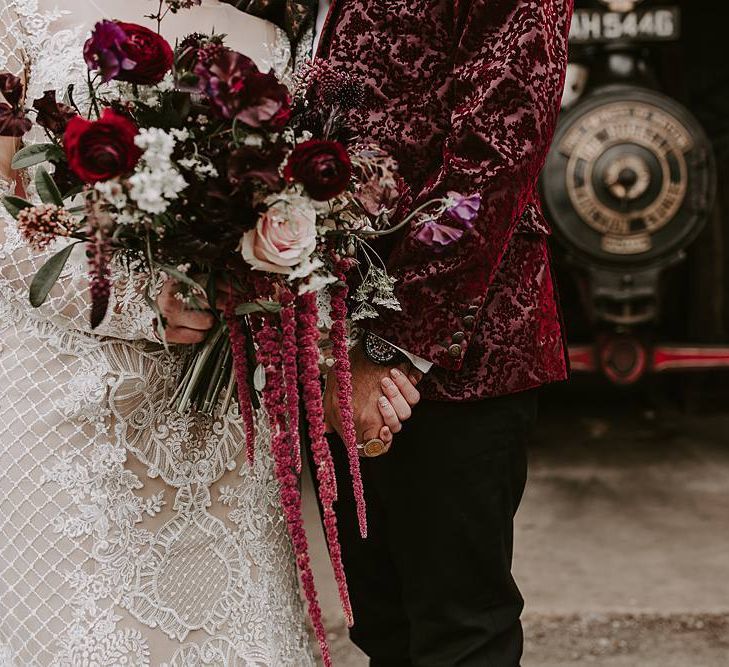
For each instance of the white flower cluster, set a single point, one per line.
(199, 167)
(316, 279)
(112, 192)
(156, 181)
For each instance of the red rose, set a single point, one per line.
(323, 167)
(151, 53)
(102, 149)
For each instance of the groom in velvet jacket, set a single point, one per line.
(465, 94)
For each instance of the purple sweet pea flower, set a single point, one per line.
(461, 210)
(464, 209)
(105, 50)
(433, 233)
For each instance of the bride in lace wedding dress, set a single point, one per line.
(129, 534)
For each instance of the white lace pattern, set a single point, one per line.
(129, 534)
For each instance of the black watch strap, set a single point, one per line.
(379, 351)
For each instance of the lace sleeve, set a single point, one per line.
(68, 306)
(280, 56)
(12, 52)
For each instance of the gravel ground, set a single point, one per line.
(622, 541)
(628, 640)
(606, 640)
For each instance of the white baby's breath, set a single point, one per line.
(156, 181)
(317, 282)
(112, 192)
(305, 268)
(198, 166)
(253, 140)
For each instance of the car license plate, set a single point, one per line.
(594, 25)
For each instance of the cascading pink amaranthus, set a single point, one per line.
(288, 351)
(343, 374)
(238, 346)
(291, 375)
(308, 335)
(97, 253)
(269, 341)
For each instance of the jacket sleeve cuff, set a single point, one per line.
(423, 365)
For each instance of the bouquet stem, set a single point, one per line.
(207, 361)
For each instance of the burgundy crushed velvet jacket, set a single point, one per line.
(465, 94)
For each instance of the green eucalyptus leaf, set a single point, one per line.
(15, 205)
(47, 275)
(258, 307)
(47, 188)
(35, 154)
(270, 306)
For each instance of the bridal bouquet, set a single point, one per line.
(191, 164)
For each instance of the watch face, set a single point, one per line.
(378, 350)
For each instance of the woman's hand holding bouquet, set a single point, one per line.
(199, 172)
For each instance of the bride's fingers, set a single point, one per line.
(386, 436)
(397, 400)
(184, 336)
(406, 386)
(200, 320)
(389, 414)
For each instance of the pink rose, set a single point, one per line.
(284, 236)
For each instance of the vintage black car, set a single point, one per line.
(635, 187)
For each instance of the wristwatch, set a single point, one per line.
(379, 351)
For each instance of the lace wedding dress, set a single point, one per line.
(129, 534)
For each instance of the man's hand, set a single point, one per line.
(382, 398)
(399, 397)
(184, 325)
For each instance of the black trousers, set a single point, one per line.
(432, 584)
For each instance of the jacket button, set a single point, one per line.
(458, 337)
(455, 351)
(469, 321)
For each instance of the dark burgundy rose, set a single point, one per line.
(222, 78)
(13, 122)
(106, 50)
(151, 53)
(52, 115)
(323, 167)
(266, 102)
(215, 221)
(102, 149)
